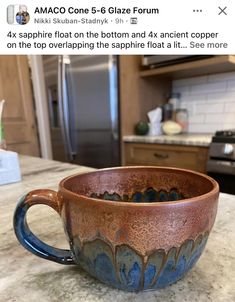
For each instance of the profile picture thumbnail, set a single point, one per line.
(22, 16)
(17, 14)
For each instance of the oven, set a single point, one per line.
(221, 160)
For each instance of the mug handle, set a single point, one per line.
(27, 238)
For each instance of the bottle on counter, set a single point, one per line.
(174, 100)
(167, 111)
(181, 117)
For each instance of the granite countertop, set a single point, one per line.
(200, 140)
(25, 277)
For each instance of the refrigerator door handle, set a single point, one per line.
(63, 61)
(113, 95)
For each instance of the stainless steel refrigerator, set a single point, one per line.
(84, 108)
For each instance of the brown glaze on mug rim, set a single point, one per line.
(215, 188)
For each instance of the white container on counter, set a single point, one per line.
(9, 167)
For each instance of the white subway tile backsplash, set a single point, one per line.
(204, 128)
(194, 98)
(221, 77)
(229, 118)
(207, 88)
(210, 108)
(197, 119)
(210, 101)
(184, 90)
(231, 85)
(221, 118)
(223, 97)
(229, 107)
(190, 81)
(214, 118)
(227, 126)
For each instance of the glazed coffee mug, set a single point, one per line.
(135, 228)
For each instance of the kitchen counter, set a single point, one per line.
(25, 277)
(200, 140)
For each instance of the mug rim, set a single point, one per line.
(213, 191)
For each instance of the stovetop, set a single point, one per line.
(224, 136)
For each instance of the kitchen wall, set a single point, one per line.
(210, 101)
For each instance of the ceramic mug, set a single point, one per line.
(135, 228)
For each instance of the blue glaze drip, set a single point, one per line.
(150, 195)
(171, 273)
(174, 195)
(137, 197)
(131, 279)
(196, 254)
(104, 269)
(101, 261)
(130, 269)
(163, 196)
(149, 275)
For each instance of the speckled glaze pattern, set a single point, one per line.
(130, 245)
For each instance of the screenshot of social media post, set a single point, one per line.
(117, 130)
